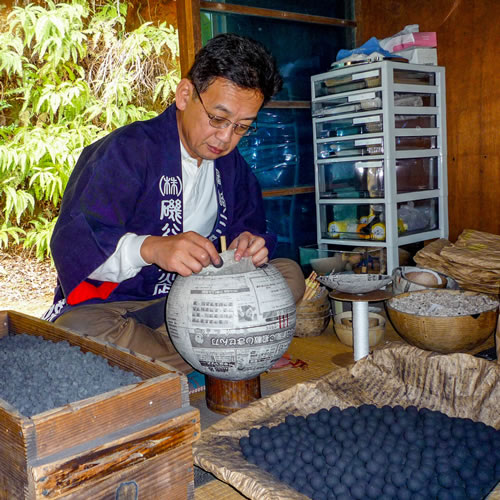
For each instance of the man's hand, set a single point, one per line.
(184, 253)
(249, 245)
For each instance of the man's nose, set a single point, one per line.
(225, 134)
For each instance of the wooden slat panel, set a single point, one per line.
(275, 14)
(13, 452)
(157, 457)
(467, 34)
(82, 421)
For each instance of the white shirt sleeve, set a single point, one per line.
(125, 262)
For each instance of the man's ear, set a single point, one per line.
(183, 93)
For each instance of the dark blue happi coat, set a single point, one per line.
(131, 182)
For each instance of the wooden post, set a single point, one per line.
(228, 396)
(189, 26)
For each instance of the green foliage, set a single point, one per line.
(38, 237)
(9, 232)
(68, 76)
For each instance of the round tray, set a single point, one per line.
(355, 283)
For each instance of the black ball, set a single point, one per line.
(340, 435)
(397, 429)
(373, 467)
(255, 440)
(324, 415)
(266, 444)
(321, 431)
(247, 450)
(244, 441)
(271, 458)
(365, 455)
(390, 490)
(474, 491)
(319, 462)
(331, 458)
(334, 410)
(358, 428)
(287, 476)
(373, 491)
(344, 496)
(351, 411)
(358, 491)
(320, 495)
(379, 457)
(345, 422)
(446, 480)
(444, 494)
(308, 490)
(414, 484)
(317, 481)
(331, 480)
(342, 463)
(348, 479)
(404, 494)
(398, 479)
(309, 469)
(278, 442)
(307, 456)
(319, 446)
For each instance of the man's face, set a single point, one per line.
(223, 99)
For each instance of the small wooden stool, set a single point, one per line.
(228, 396)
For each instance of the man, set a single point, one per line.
(151, 200)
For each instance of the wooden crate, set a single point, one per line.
(132, 442)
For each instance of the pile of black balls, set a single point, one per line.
(381, 453)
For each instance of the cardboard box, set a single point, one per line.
(132, 442)
(419, 55)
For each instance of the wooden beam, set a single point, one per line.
(276, 14)
(288, 104)
(189, 26)
(272, 193)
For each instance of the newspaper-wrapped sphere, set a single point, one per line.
(231, 323)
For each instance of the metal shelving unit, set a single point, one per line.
(380, 156)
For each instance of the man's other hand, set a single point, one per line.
(184, 253)
(249, 245)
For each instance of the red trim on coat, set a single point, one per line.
(86, 291)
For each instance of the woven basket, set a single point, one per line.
(313, 315)
(444, 334)
(344, 331)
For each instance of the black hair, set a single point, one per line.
(243, 61)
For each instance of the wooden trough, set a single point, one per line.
(132, 442)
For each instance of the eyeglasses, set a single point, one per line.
(220, 122)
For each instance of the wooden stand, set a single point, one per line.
(228, 396)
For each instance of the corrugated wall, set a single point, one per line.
(468, 46)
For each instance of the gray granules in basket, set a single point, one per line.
(38, 375)
(443, 304)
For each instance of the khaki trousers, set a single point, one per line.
(140, 326)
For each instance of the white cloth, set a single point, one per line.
(199, 196)
(200, 214)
